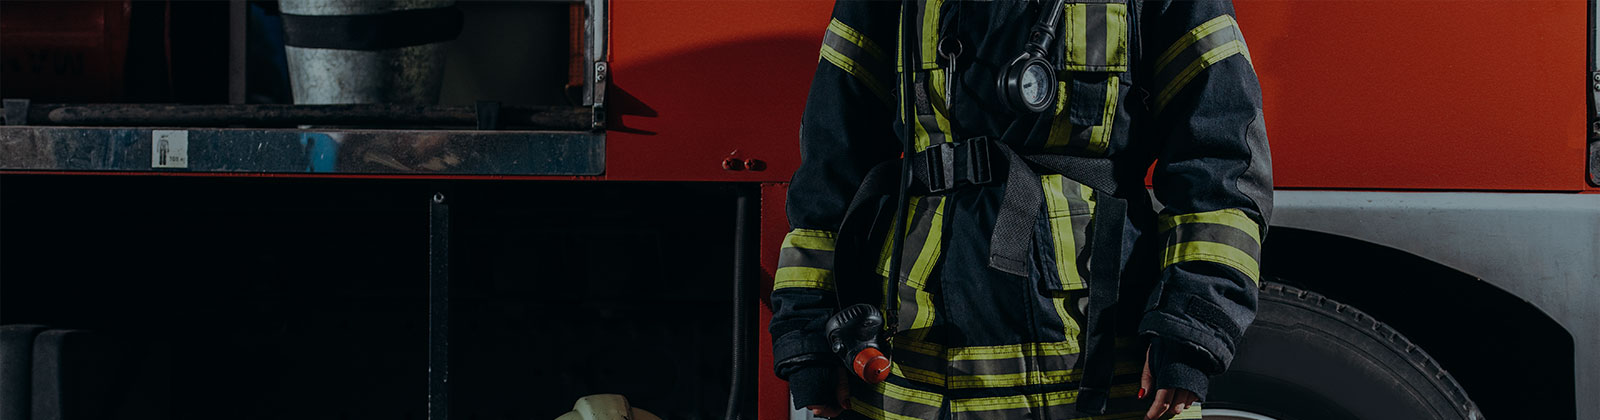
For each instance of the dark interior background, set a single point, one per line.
(304, 298)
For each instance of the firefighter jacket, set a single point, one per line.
(1167, 84)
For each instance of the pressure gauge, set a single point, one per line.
(1036, 87)
(1029, 85)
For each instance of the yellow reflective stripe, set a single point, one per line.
(1069, 325)
(936, 81)
(1061, 101)
(856, 37)
(921, 134)
(898, 400)
(1214, 56)
(922, 268)
(1184, 42)
(1077, 32)
(924, 319)
(930, 32)
(809, 277)
(1098, 28)
(1088, 196)
(900, 42)
(1213, 252)
(1228, 217)
(909, 395)
(1061, 233)
(888, 243)
(875, 413)
(920, 347)
(861, 73)
(1070, 277)
(933, 82)
(921, 309)
(1061, 125)
(1100, 135)
(1011, 402)
(1117, 36)
(1032, 377)
(1055, 202)
(1012, 351)
(820, 240)
(914, 374)
(1014, 379)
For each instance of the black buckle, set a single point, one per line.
(978, 153)
(952, 165)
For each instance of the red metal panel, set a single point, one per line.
(63, 51)
(1399, 94)
(695, 82)
(1359, 94)
(772, 393)
(1460, 95)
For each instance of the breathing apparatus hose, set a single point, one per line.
(853, 332)
(908, 112)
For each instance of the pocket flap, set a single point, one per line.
(1095, 36)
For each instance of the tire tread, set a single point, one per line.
(1388, 336)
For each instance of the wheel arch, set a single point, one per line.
(1473, 328)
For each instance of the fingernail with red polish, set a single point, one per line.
(1141, 393)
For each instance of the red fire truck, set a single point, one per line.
(1435, 252)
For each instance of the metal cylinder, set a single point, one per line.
(405, 75)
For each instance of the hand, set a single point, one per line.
(1168, 402)
(843, 395)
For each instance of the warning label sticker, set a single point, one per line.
(169, 149)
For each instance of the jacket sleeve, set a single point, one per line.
(847, 128)
(1214, 177)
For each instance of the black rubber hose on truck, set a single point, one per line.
(743, 268)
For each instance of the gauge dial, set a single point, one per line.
(1037, 86)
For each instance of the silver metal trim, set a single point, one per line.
(596, 28)
(325, 151)
(1229, 414)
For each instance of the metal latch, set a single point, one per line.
(601, 71)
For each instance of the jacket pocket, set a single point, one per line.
(1094, 56)
(1095, 36)
(1069, 208)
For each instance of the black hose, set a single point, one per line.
(908, 114)
(743, 267)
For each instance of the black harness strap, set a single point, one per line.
(1012, 240)
(1100, 338)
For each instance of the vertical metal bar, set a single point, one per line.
(1594, 93)
(237, 10)
(439, 309)
(596, 29)
(744, 264)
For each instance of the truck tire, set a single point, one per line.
(1308, 357)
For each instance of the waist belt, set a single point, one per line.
(947, 166)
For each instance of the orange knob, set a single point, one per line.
(871, 366)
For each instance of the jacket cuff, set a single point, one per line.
(1171, 367)
(814, 385)
(805, 342)
(1210, 353)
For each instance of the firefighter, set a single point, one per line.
(1035, 277)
